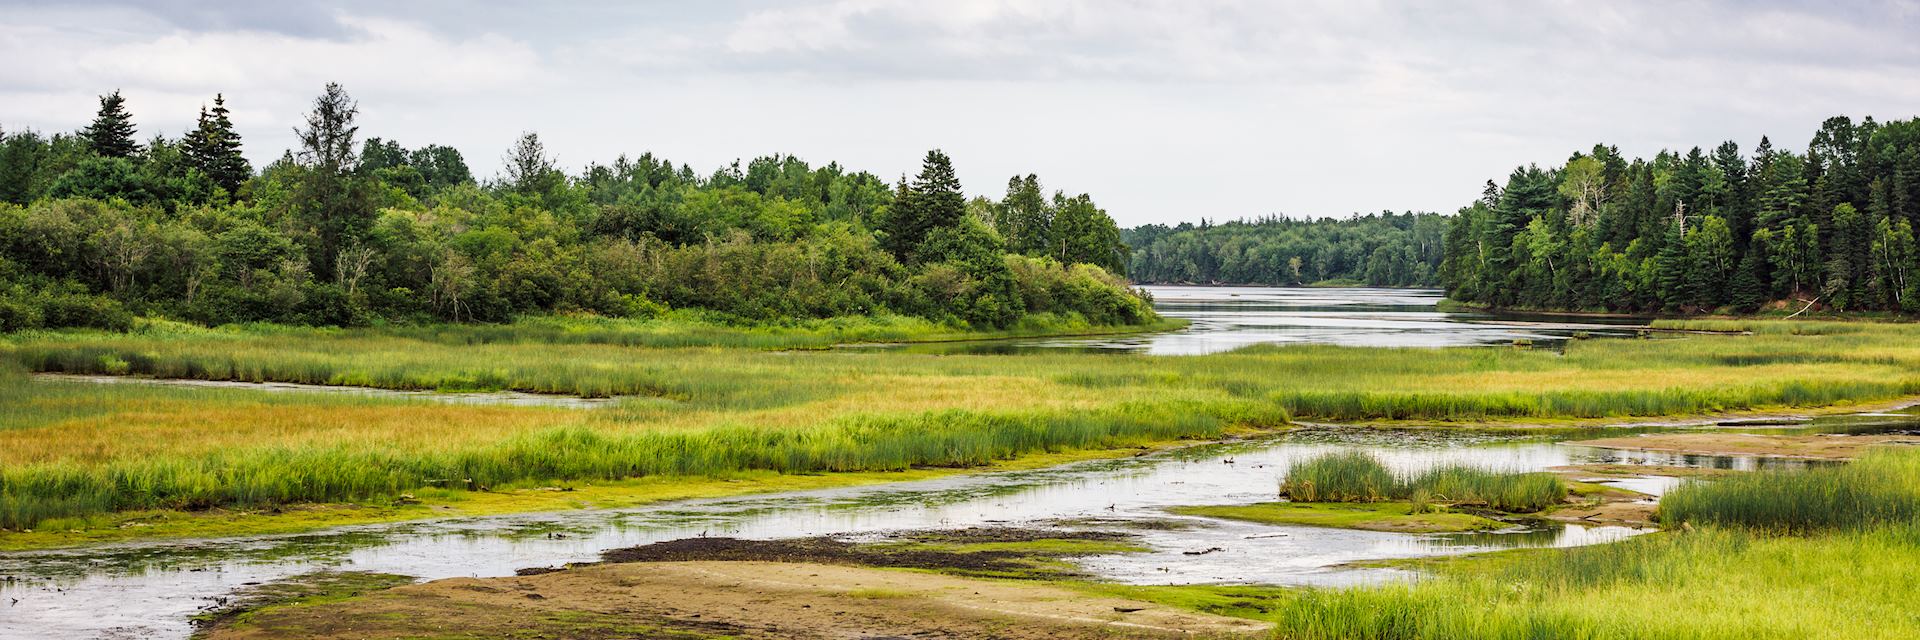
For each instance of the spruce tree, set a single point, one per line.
(111, 134)
(1748, 291)
(214, 148)
(932, 201)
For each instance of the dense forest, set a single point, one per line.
(1831, 228)
(1384, 250)
(97, 227)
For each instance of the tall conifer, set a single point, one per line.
(111, 134)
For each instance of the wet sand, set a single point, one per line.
(705, 599)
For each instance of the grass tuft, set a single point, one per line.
(1359, 477)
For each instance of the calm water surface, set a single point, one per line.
(1225, 318)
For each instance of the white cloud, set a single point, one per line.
(1163, 110)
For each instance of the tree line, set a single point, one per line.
(1702, 231)
(1384, 250)
(97, 226)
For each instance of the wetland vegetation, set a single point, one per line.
(716, 410)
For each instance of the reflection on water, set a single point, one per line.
(1671, 459)
(149, 589)
(1225, 318)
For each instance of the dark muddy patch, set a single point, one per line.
(1001, 552)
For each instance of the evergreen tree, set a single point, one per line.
(111, 133)
(326, 145)
(1848, 257)
(932, 201)
(214, 148)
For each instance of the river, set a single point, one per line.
(1225, 318)
(150, 589)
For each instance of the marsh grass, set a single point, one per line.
(269, 476)
(1359, 477)
(1340, 477)
(1709, 584)
(1771, 327)
(1882, 487)
(736, 405)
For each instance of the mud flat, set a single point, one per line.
(722, 587)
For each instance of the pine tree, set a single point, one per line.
(111, 134)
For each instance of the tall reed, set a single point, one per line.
(270, 475)
(1359, 477)
(1882, 487)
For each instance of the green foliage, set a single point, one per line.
(1692, 233)
(1730, 575)
(933, 201)
(111, 133)
(1393, 250)
(1711, 584)
(349, 236)
(214, 148)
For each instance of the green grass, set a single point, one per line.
(1509, 492)
(1771, 327)
(1359, 477)
(1880, 488)
(281, 475)
(1371, 516)
(1709, 584)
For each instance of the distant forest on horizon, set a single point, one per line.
(1701, 231)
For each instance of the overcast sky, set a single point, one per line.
(1164, 111)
